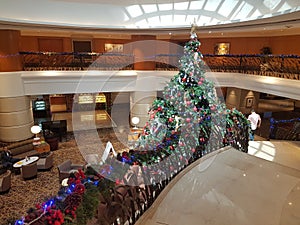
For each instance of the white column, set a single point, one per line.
(140, 103)
(16, 117)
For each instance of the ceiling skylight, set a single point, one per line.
(179, 19)
(166, 20)
(149, 8)
(212, 5)
(271, 4)
(194, 5)
(142, 13)
(243, 11)
(227, 4)
(181, 6)
(134, 10)
(164, 7)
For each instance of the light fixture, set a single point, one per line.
(135, 120)
(35, 130)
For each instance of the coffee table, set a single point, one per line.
(25, 161)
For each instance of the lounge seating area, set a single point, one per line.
(23, 194)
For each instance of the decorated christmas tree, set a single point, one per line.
(190, 120)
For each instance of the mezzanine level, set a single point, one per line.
(282, 66)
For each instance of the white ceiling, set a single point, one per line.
(95, 17)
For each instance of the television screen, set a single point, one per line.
(39, 105)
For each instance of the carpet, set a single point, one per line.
(25, 194)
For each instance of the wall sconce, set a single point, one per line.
(135, 120)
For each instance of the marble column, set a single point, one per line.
(144, 49)
(140, 103)
(16, 117)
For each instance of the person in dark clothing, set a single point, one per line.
(7, 161)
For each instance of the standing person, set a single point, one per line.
(255, 122)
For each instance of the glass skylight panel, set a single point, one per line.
(191, 18)
(154, 21)
(179, 19)
(142, 24)
(134, 10)
(284, 7)
(227, 6)
(212, 5)
(166, 20)
(271, 4)
(194, 5)
(243, 12)
(126, 18)
(204, 20)
(149, 8)
(165, 7)
(214, 21)
(256, 14)
(181, 5)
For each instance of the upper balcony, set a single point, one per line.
(282, 66)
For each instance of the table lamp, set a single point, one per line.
(35, 130)
(135, 120)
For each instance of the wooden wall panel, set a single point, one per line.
(238, 45)
(50, 44)
(29, 44)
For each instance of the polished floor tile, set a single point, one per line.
(230, 187)
(85, 120)
(286, 153)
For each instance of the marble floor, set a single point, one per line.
(230, 187)
(85, 120)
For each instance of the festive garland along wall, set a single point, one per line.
(186, 123)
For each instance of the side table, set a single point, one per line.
(43, 147)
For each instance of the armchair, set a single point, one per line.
(5, 181)
(29, 171)
(45, 163)
(66, 168)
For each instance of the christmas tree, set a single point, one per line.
(190, 120)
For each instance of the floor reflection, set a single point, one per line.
(85, 120)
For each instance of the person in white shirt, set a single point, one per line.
(255, 122)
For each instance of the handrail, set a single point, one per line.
(285, 129)
(284, 66)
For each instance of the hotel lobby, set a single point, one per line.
(96, 65)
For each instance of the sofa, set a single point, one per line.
(5, 181)
(21, 149)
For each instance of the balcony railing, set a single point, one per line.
(284, 66)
